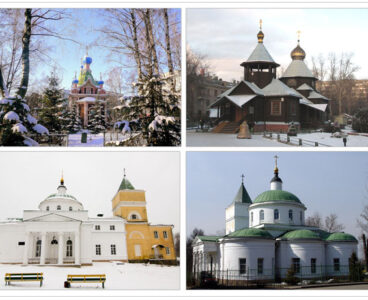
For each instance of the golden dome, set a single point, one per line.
(298, 53)
(260, 36)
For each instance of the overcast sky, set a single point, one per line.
(326, 182)
(27, 178)
(228, 36)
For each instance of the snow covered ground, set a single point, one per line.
(119, 276)
(95, 140)
(257, 140)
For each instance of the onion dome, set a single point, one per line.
(303, 234)
(298, 53)
(100, 82)
(277, 196)
(341, 237)
(87, 60)
(251, 233)
(260, 34)
(75, 81)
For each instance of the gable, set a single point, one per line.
(52, 217)
(242, 89)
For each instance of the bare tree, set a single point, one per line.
(331, 224)
(315, 220)
(319, 67)
(168, 49)
(177, 244)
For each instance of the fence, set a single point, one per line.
(284, 138)
(254, 277)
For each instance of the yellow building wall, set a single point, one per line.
(126, 211)
(128, 196)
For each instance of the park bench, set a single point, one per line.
(23, 277)
(87, 278)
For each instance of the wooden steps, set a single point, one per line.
(227, 127)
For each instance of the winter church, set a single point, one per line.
(267, 237)
(60, 232)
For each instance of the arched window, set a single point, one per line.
(301, 216)
(58, 207)
(290, 214)
(276, 214)
(134, 217)
(261, 215)
(69, 248)
(251, 218)
(38, 248)
(47, 208)
(70, 208)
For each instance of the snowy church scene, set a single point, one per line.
(270, 239)
(116, 82)
(60, 236)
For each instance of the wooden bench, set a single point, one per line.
(101, 278)
(23, 277)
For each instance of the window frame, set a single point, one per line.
(112, 227)
(260, 261)
(276, 214)
(313, 265)
(155, 234)
(97, 227)
(58, 207)
(165, 235)
(167, 250)
(261, 215)
(242, 266)
(98, 249)
(291, 214)
(273, 111)
(113, 249)
(336, 264)
(296, 264)
(69, 248)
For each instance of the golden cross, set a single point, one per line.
(260, 24)
(276, 157)
(298, 32)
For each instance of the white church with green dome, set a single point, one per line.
(267, 236)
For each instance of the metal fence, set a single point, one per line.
(291, 140)
(254, 277)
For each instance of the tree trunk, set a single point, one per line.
(168, 50)
(137, 55)
(2, 85)
(365, 250)
(152, 41)
(26, 40)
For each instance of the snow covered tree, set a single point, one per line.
(71, 121)
(156, 110)
(52, 103)
(360, 120)
(96, 119)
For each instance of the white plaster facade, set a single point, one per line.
(61, 233)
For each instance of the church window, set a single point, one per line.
(134, 217)
(290, 214)
(296, 265)
(167, 251)
(69, 248)
(293, 108)
(155, 234)
(165, 234)
(112, 227)
(47, 208)
(276, 108)
(97, 227)
(260, 265)
(98, 249)
(137, 250)
(301, 216)
(113, 249)
(38, 248)
(58, 207)
(21, 243)
(261, 215)
(70, 208)
(88, 90)
(251, 218)
(336, 264)
(276, 214)
(242, 266)
(313, 265)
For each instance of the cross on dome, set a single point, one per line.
(242, 177)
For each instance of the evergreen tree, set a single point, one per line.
(16, 122)
(96, 119)
(355, 268)
(52, 103)
(71, 121)
(157, 111)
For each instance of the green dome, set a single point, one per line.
(251, 232)
(301, 234)
(276, 195)
(341, 236)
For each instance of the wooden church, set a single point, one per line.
(268, 103)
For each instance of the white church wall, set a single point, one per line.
(10, 235)
(283, 214)
(86, 245)
(305, 251)
(237, 217)
(342, 251)
(251, 250)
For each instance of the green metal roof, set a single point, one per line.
(242, 195)
(126, 185)
(341, 236)
(251, 232)
(276, 195)
(84, 76)
(208, 238)
(301, 234)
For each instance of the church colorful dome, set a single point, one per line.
(251, 232)
(276, 196)
(87, 60)
(298, 53)
(75, 81)
(101, 82)
(341, 236)
(302, 234)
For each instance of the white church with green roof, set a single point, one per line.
(267, 236)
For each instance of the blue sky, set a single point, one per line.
(81, 27)
(228, 36)
(326, 182)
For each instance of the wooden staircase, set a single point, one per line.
(227, 127)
